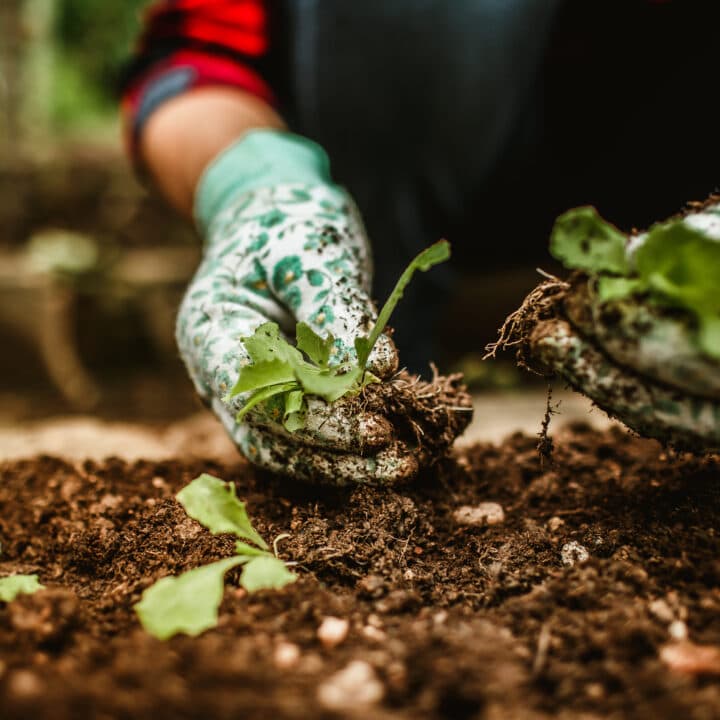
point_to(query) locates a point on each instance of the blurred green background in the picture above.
(59, 63)
(95, 335)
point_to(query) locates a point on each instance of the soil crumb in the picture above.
(445, 619)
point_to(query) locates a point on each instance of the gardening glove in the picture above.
(285, 244)
(650, 354)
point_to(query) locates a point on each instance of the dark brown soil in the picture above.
(467, 622)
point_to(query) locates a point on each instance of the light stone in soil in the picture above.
(355, 686)
(486, 513)
(286, 656)
(573, 552)
(332, 631)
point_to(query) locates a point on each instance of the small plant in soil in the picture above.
(14, 585)
(288, 373)
(636, 327)
(189, 602)
(675, 265)
(11, 587)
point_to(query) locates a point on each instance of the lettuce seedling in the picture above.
(676, 264)
(189, 603)
(284, 374)
(11, 587)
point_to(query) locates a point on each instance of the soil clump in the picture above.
(427, 415)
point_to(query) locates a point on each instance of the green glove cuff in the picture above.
(259, 159)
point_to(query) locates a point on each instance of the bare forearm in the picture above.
(183, 136)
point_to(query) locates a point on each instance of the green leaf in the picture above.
(262, 394)
(248, 551)
(363, 348)
(294, 422)
(11, 587)
(709, 336)
(187, 603)
(293, 402)
(265, 572)
(582, 240)
(214, 504)
(317, 349)
(262, 374)
(619, 288)
(330, 385)
(681, 264)
(294, 411)
(267, 344)
(437, 253)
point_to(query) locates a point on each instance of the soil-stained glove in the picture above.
(637, 328)
(285, 244)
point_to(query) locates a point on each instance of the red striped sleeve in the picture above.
(193, 43)
(237, 25)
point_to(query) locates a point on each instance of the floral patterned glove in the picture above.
(283, 243)
(637, 327)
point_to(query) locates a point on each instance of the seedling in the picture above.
(11, 587)
(676, 265)
(189, 603)
(285, 374)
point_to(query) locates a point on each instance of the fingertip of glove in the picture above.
(396, 466)
(375, 431)
(384, 360)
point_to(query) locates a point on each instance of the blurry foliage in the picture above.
(501, 374)
(92, 41)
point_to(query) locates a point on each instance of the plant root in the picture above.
(427, 415)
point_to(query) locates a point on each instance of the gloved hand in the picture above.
(637, 329)
(283, 243)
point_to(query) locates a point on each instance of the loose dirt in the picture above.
(566, 608)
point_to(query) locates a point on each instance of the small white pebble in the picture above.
(158, 482)
(489, 513)
(374, 634)
(355, 686)
(286, 656)
(661, 610)
(440, 617)
(25, 684)
(555, 523)
(678, 630)
(408, 575)
(573, 552)
(374, 620)
(332, 631)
